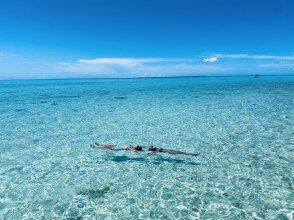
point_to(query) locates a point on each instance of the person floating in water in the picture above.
(117, 148)
(169, 151)
(152, 148)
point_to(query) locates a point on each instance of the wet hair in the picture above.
(139, 148)
(152, 148)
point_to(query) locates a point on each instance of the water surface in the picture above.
(243, 128)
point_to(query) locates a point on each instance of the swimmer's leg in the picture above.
(96, 146)
(105, 145)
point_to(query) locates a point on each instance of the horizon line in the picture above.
(144, 77)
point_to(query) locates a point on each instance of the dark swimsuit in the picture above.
(156, 148)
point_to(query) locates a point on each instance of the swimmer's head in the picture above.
(139, 148)
(152, 148)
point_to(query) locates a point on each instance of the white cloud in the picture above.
(254, 56)
(7, 55)
(3, 54)
(281, 63)
(140, 67)
(133, 67)
(111, 61)
(276, 65)
(129, 61)
(210, 60)
(18, 66)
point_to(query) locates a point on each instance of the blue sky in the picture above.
(126, 38)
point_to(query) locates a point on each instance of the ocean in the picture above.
(243, 128)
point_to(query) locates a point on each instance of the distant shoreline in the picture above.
(142, 77)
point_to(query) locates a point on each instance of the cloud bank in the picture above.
(139, 67)
(19, 66)
(256, 57)
(210, 60)
(215, 64)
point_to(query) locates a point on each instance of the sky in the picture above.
(140, 38)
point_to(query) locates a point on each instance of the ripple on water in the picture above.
(242, 128)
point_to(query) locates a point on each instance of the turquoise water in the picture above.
(243, 128)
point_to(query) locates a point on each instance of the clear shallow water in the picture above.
(243, 128)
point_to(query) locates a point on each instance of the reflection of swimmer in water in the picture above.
(169, 151)
(116, 147)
